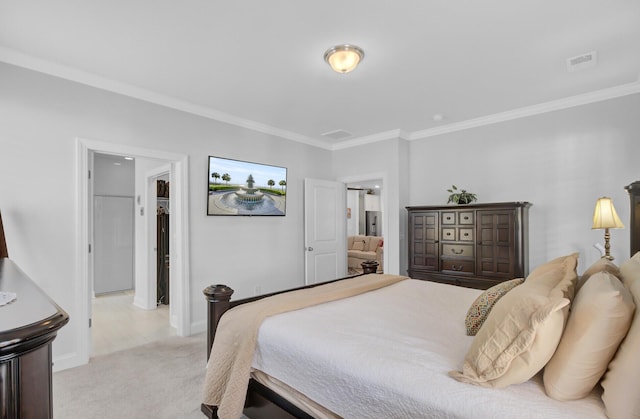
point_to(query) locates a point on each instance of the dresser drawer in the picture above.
(465, 234)
(448, 234)
(462, 250)
(465, 217)
(455, 265)
(449, 218)
(457, 234)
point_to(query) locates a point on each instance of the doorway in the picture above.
(367, 215)
(119, 321)
(179, 269)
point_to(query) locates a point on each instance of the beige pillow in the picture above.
(566, 287)
(558, 278)
(630, 270)
(600, 318)
(479, 310)
(600, 265)
(516, 341)
(552, 273)
(552, 264)
(373, 243)
(358, 245)
(621, 391)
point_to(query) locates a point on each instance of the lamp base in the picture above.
(607, 246)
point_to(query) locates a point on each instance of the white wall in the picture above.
(385, 160)
(561, 162)
(40, 117)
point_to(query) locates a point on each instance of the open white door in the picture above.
(325, 230)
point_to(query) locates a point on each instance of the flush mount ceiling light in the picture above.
(344, 58)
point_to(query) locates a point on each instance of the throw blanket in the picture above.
(229, 366)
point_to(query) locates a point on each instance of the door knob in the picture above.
(310, 249)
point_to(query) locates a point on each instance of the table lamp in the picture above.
(605, 217)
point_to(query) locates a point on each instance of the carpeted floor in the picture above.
(158, 380)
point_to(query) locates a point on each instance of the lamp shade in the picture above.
(344, 58)
(605, 215)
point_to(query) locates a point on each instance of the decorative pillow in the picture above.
(479, 310)
(516, 341)
(600, 318)
(621, 395)
(600, 265)
(630, 270)
(358, 245)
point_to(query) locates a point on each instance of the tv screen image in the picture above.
(238, 187)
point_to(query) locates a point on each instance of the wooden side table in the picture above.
(369, 267)
(28, 326)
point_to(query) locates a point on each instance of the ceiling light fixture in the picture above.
(344, 58)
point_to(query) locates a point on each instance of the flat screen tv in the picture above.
(238, 187)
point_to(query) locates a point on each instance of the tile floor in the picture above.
(117, 324)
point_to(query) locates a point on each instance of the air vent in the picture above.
(580, 62)
(338, 134)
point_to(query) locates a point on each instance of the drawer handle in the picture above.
(448, 234)
(457, 252)
(466, 217)
(448, 218)
(466, 234)
(456, 268)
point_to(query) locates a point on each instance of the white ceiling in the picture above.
(259, 64)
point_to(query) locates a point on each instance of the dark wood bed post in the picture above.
(262, 402)
(218, 301)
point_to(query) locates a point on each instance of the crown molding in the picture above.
(19, 59)
(555, 105)
(374, 138)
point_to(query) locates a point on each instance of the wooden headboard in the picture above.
(634, 216)
(3, 244)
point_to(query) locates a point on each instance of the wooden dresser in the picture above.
(28, 325)
(634, 216)
(476, 245)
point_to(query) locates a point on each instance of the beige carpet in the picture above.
(158, 380)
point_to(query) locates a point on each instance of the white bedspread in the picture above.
(362, 357)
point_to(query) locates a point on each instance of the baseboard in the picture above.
(198, 327)
(142, 303)
(67, 361)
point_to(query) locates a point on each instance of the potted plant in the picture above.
(460, 196)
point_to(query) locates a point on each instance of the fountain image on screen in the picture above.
(238, 187)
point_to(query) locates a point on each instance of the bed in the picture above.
(386, 352)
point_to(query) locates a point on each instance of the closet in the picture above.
(162, 254)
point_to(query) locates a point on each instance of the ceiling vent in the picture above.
(338, 134)
(582, 61)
